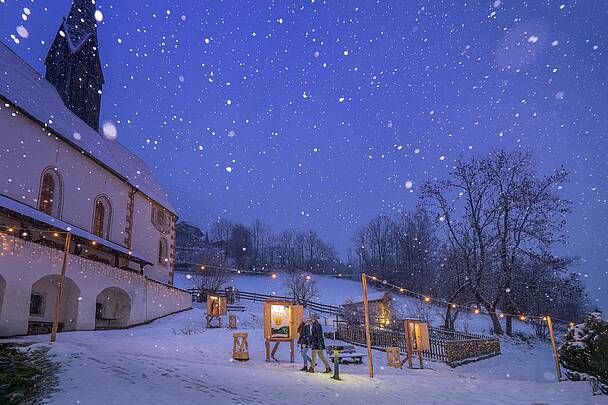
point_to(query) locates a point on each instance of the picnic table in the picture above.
(346, 354)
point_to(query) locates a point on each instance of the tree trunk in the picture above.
(495, 322)
(447, 324)
(491, 312)
(509, 326)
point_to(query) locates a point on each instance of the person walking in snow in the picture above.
(317, 341)
(304, 343)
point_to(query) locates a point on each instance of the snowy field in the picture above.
(335, 291)
(160, 363)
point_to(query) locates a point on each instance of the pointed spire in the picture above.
(83, 9)
(73, 65)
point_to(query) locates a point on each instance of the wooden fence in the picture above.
(257, 297)
(453, 348)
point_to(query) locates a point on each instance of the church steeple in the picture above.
(73, 65)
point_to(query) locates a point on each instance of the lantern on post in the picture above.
(281, 321)
(416, 339)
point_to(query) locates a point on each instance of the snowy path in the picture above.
(152, 365)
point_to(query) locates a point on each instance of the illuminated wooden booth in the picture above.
(416, 339)
(216, 308)
(281, 321)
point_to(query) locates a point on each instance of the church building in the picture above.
(62, 180)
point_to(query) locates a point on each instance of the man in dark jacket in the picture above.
(304, 343)
(317, 341)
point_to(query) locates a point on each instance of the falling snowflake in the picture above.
(22, 31)
(109, 130)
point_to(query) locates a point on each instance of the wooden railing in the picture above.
(256, 297)
(453, 348)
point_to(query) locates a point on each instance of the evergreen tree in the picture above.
(584, 354)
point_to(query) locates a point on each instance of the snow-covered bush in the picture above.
(584, 354)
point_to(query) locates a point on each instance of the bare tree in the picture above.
(498, 212)
(302, 287)
(211, 276)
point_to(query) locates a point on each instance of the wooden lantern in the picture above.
(393, 355)
(416, 339)
(232, 321)
(422, 341)
(281, 321)
(216, 308)
(240, 347)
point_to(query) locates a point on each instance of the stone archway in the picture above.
(112, 308)
(43, 299)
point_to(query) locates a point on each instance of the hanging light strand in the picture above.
(474, 309)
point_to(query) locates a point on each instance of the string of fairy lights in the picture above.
(469, 308)
(12, 244)
(24, 232)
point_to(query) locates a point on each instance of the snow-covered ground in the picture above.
(160, 363)
(157, 364)
(335, 291)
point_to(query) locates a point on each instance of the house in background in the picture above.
(193, 249)
(59, 174)
(379, 306)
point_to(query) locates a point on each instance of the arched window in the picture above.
(102, 217)
(51, 192)
(163, 256)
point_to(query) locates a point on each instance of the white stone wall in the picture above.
(145, 236)
(27, 150)
(24, 263)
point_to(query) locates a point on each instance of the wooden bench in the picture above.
(236, 308)
(348, 355)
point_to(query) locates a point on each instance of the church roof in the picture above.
(26, 89)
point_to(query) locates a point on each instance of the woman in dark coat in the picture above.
(304, 343)
(317, 341)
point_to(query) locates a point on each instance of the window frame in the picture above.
(106, 228)
(42, 304)
(56, 205)
(163, 252)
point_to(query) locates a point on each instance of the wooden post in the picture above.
(64, 265)
(409, 344)
(368, 336)
(558, 371)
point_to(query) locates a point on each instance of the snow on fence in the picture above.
(453, 348)
(256, 297)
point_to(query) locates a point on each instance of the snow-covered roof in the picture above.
(22, 86)
(377, 296)
(40, 216)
